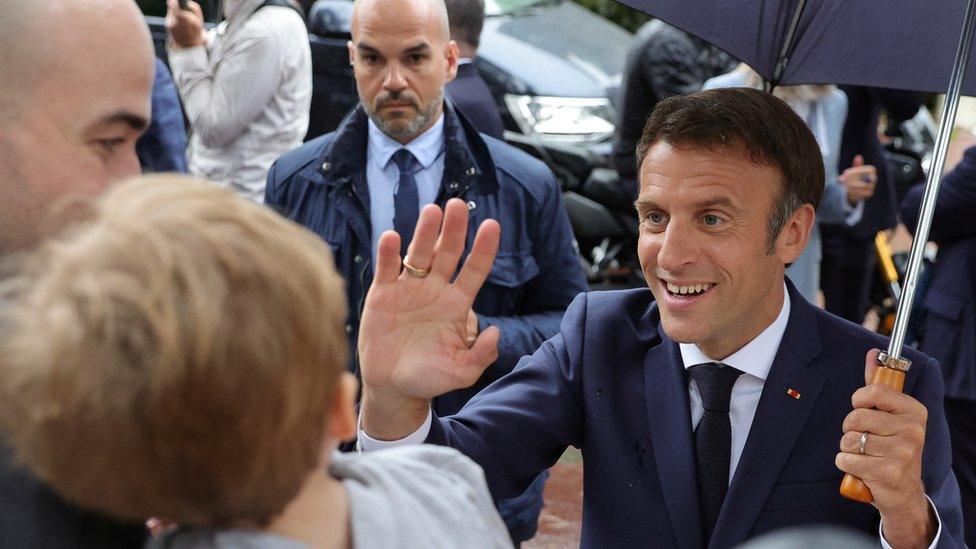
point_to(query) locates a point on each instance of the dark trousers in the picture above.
(961, 416)
(846, 272)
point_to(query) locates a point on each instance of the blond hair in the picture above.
(790, 94)
(174, 354)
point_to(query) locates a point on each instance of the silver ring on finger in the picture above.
(862, 442)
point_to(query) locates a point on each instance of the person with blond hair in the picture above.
(179, 352)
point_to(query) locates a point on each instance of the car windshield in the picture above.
(501, 7)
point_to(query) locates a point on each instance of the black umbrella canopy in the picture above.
(902, 44)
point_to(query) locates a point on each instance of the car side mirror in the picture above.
(330, 18)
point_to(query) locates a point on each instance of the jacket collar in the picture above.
(467, 161)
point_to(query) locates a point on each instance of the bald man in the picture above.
(75, 83)
(405, 147)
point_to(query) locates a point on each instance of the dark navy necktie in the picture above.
(713, 439)
(406, 201)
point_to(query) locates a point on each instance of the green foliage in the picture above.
(620, 14)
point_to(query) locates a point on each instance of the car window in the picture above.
(158, 8)
(501, 7)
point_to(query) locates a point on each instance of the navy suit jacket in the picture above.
(613, 384)
(950, 302)
(472, 98)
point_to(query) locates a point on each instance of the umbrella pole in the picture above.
(893, 366)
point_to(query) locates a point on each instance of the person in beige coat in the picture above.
(246, 87)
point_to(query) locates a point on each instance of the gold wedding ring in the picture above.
(862, 442)
(415, 271)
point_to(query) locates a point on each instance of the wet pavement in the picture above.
(559, 525)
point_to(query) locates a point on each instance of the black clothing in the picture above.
(663, 62)
(472, 98)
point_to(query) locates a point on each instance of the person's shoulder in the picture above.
(419, 463)
(385, 488)
(520, 167)
(835, 101)
(843, 335)
(732, 79)
(298, 159)
(278, 23)
(616, 311)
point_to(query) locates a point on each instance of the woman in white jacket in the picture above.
(246, 87)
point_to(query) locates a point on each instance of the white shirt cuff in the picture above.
(854, 213)
(935, 540)
(364, 443)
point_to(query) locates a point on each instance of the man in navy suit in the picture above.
(714, 411)
(949, 325)
(468, 90)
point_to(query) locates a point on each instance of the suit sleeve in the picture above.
(955, 204)
(940, 482)
(520, 425)
(547, 295)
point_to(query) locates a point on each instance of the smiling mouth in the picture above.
(687, 291)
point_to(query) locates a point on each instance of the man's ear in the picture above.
(795, 234)
(352, 52)
(342, 415)
(451, 54)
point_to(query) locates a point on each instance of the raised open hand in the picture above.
(413, 336)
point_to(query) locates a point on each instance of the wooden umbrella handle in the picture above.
(852, 487)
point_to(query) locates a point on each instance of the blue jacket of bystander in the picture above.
(537, 271)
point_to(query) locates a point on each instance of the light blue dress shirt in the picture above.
(382, 174)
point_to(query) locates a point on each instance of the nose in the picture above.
(678, 248)
(395, 80)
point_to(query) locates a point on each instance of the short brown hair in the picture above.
(757, 122)
(173, 354)
(466, 18)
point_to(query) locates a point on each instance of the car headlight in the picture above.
(566, 119)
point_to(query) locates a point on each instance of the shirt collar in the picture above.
(756, 357)
(464, 61)
(426, 147)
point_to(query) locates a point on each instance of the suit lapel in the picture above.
(777, 424)
(670, 424)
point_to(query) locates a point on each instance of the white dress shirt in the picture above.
(754, 360)
(383, 175)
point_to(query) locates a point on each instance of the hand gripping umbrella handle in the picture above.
(892, 374)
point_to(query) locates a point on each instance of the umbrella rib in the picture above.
(788, 42)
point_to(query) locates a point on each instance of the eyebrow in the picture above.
(717, 201)
(366, 48)
(134, 121)
(421, 47)
(647, 203)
